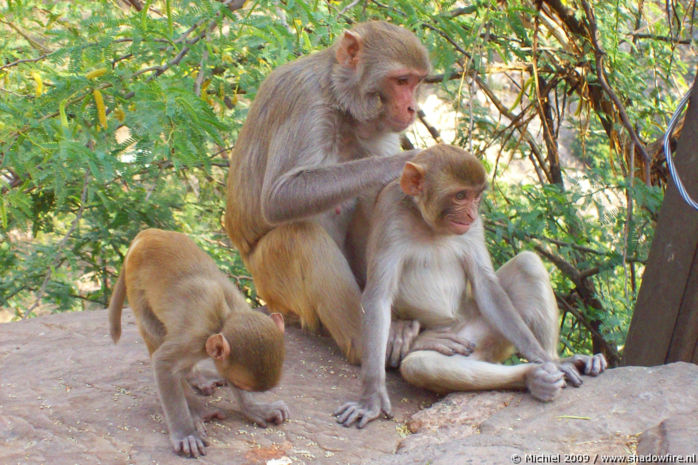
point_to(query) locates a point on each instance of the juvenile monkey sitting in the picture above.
(427, 261)
(187, 310)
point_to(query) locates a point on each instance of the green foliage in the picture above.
(78, 180)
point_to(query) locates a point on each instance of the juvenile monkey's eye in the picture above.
(402, 81)
(461, 195)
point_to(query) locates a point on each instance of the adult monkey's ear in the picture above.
(349, 49)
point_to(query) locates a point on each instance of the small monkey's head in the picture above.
(446, 183)
(249, 351)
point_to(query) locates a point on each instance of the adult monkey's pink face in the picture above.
(389, 64)
(400, 95)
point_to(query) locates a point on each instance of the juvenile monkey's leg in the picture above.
(298, 268)
(527, 282)
(151, 328)
(200, 412)
(442, 373)
(184, 434)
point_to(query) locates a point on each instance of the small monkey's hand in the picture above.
(445, 341)
(204, 381)
(189, 445)
(402, 335)
(367, 409)
(590, 365)
(545, 381)
(571, 373)
(262, 414)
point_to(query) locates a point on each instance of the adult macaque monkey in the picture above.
(426, 245)
(321, 130)
(187, 311)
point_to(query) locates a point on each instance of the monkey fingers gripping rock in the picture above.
(367, 409)
(192, 445)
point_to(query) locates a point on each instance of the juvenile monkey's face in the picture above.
(447, 184)
(460, 210)
(240, 377)
(256, 373)
(452, 212)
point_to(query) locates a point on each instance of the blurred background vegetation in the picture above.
(118, 115)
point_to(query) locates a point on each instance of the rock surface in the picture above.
(69, 396)
(609, 415)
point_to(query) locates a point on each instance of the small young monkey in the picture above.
(427, 262)
(188, 310)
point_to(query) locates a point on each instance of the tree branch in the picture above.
(673, 40)
(432, 130)
(545, 114)
(159, 70)
(26, 60)
(608, 349)
(601, 74)
(134, 3)
(557, 242)
(513, 118)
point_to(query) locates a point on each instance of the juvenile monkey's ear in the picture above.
(217, 346)
(412, 179)
(278, 320)
(349, 48)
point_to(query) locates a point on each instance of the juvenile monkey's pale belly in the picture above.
(432, 289)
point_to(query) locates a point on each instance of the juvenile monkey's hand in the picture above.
(545, 381)
(573, 367)
(402, 335)
(445, 341)
(262, 414)
(189, 445)
(591, 365)
(367, 409)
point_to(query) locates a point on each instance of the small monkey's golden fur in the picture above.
(187, 310)
(176, 290)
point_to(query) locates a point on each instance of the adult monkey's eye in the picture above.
(461, 195)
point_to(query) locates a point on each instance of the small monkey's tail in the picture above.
(115, 305)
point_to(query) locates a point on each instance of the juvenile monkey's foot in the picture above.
(364, 411)
(545, 381)
(402, 335)
(189, 445)
(444, 341)
(263, 414)
(590, 365)
(204, 382)
(202, 413)
(205, 414)
(212, 414)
